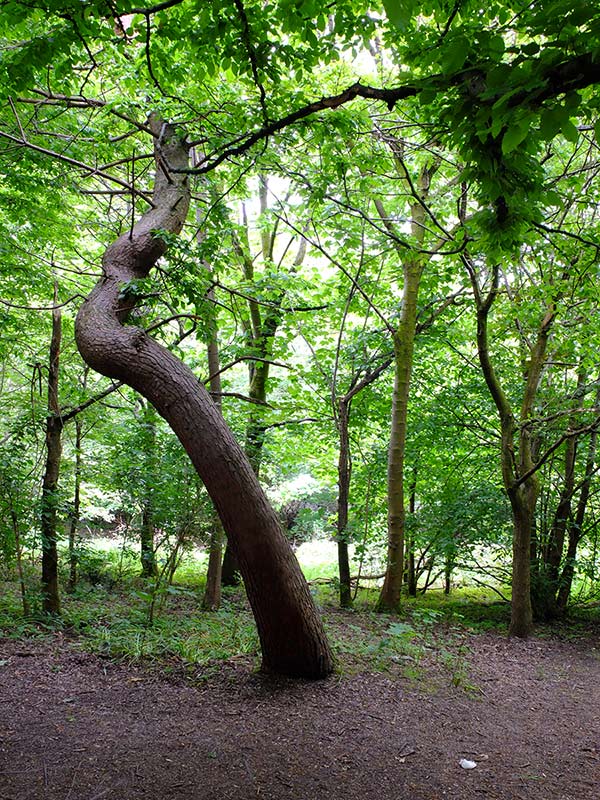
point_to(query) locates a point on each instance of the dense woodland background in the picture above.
(387, 280)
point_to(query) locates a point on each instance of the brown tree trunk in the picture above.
(291, 634)
(19, 559)
(230, 570)
(75, 511)
(212, 592)
(545, 579)
(523, 513)
(575, 528)
(54, 426)
(411, 575)
(344, 473)
(147, 554)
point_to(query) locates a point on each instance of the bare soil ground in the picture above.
(76, 727)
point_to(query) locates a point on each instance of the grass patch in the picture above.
(110, 614)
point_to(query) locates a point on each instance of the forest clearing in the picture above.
(299, 399)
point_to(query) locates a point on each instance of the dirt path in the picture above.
(74, 727)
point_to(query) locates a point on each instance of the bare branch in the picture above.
(153, 9)
(553, 448)
(92, 171)
(43, 308)
(243, 397)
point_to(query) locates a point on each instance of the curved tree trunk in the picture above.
(291, 634)
(519, 469)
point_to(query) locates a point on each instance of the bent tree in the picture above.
(291, 635)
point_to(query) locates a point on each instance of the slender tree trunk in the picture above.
(411, 575)
(575, 527)
(404, 339)
(147, 553)
(389, 599)
(517, 460)
(54, 426)
(291, 634)
(448, 568)
(19, 559)
(75, 511)
(211, 600)
(545, 581)
(546, 567)
(212, 592)
(344, 474)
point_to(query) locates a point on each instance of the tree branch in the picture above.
(576, 73)
(553, 448)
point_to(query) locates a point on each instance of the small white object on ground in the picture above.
(466, 764)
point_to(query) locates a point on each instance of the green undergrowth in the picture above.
(132, 623)
(116, 614)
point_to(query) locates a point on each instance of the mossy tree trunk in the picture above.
(413, 264)
(49, 503)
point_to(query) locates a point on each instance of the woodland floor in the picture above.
(74, 726)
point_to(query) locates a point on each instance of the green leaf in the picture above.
(399, 12)
(513, 137)
(455, 54)
(497, 44)
(550, 123)
(569, 131)
(597, 131)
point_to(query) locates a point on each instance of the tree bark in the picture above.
(389, 599)
(413, 265)
(545, 579)
(291, 634)
(523, 513)
(54, 426)
(147, 554)
(344, 474)
(517, 460)
(212, 592)
(411, 575)
(575, 528)
(75, 511)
